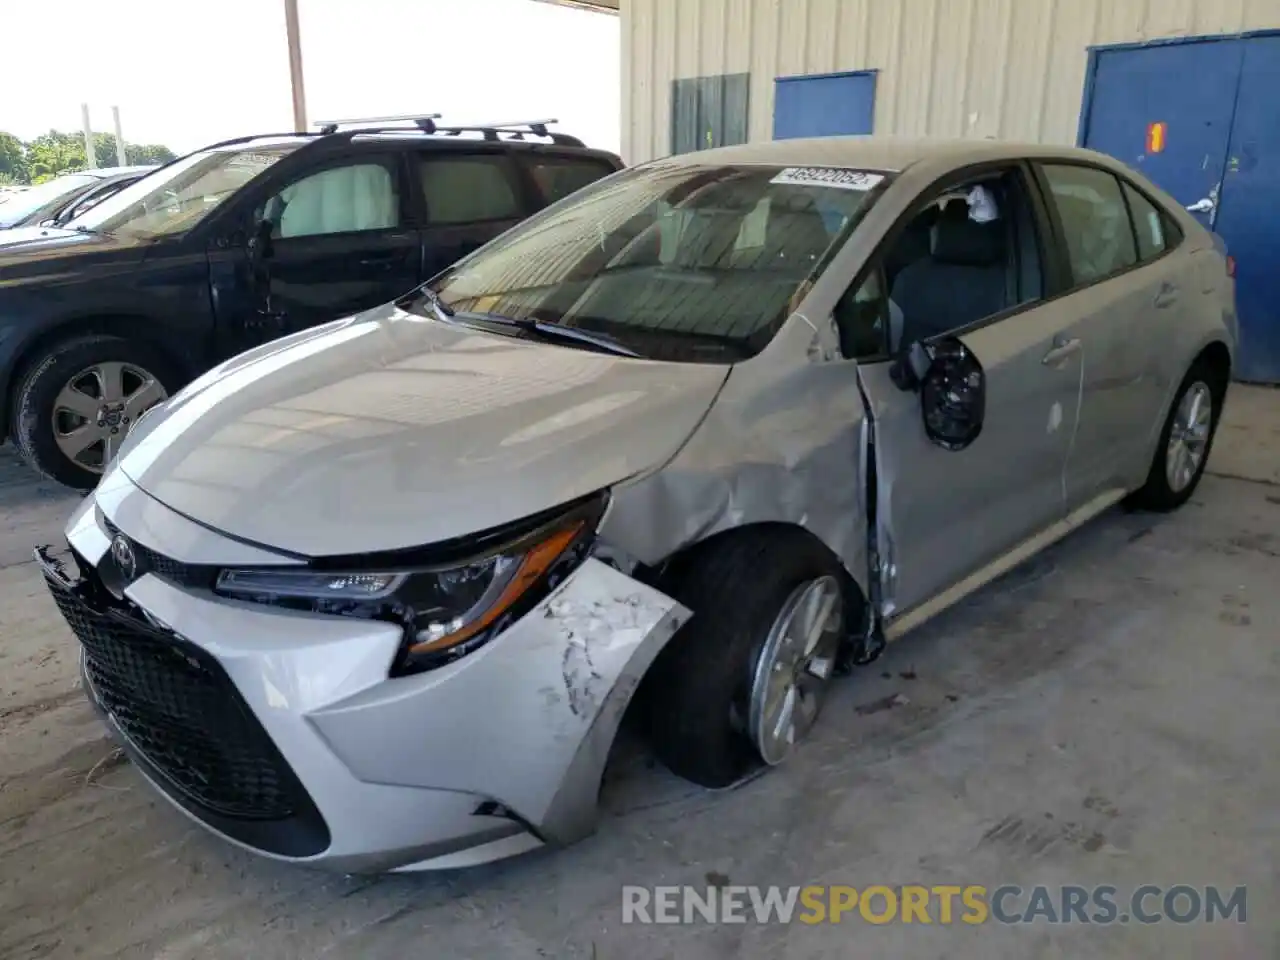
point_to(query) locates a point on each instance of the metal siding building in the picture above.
(1002, 68)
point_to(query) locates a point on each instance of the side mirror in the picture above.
(259, 241)
(952, 387)
(953, 395)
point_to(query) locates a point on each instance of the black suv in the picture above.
(237, 244)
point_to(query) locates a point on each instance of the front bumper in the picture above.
(284, 733)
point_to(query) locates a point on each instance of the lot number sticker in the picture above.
(828, 177)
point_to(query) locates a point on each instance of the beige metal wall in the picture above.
(1005, 68)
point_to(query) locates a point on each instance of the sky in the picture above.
(185, 73)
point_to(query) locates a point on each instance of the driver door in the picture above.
(945, 514)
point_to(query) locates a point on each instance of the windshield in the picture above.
(675, 260)
(19, 206)
(178, 196)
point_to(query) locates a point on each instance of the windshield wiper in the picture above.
(546, 331)
(436, 304)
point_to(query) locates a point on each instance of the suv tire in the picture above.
(37, 422)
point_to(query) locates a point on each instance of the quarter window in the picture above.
(474, 189)
(1148, 225)
(346, 199)
(557, 177)
(1095, 221)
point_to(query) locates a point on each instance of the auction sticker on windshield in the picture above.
(829, 177)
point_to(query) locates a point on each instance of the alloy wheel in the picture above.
(795, 663)
(1189, 436)
(96, 409)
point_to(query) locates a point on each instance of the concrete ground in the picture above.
(1109, 714)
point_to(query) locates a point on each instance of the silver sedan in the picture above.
(693, 442)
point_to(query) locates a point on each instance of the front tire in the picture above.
(74, 407)
(1186, 440)
(744, 680)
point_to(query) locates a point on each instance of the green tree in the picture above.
(13, 158)
(56, 153)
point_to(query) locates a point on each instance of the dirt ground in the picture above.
(1108, 714)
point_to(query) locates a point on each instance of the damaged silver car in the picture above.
(698, 439)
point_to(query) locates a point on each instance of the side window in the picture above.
(1149, 225)
(861, 316)
(557, 177)
(350, 199)
(468, 189)
(1095, 220)
(969, 253)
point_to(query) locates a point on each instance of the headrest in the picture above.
(958, 240)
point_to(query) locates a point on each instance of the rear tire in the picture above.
(1168, 487)
(42, 422)
(700, 703)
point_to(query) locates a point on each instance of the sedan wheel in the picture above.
(96, 408)
(1189, 436)
(795, 663)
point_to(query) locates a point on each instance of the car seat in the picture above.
(963, 279)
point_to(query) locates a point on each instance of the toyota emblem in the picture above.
(122, 554)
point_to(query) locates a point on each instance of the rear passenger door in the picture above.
(1123, 290)
(468, 199)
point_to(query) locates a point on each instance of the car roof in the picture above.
(890, 154)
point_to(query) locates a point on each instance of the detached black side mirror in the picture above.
(953, 395)
(952, 387)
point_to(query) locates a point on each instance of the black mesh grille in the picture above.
(181, 712)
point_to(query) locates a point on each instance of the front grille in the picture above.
(175, 571)
(181, 712)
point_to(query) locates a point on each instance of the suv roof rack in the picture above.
(424, 122)
(515, 130)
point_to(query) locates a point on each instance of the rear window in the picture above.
(468, 189)
(557, 177)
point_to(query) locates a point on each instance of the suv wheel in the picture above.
(74, 408)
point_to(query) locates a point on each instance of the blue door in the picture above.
(1200, 119)
(832, 105)
(1249, 215)
(1186, 89)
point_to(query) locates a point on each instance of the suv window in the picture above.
(346, 199)
(970, 253)
(468, 189)
(1095, 220)
(1149, 225)
(557, 177)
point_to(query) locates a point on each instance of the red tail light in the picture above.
(1231, 266)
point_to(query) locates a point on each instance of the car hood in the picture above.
(388, 431)
(28, 253)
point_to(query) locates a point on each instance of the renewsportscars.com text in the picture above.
(973, 904)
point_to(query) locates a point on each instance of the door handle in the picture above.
(1063, 350)
(1167, 296)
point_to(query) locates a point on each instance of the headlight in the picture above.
(446, 609)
